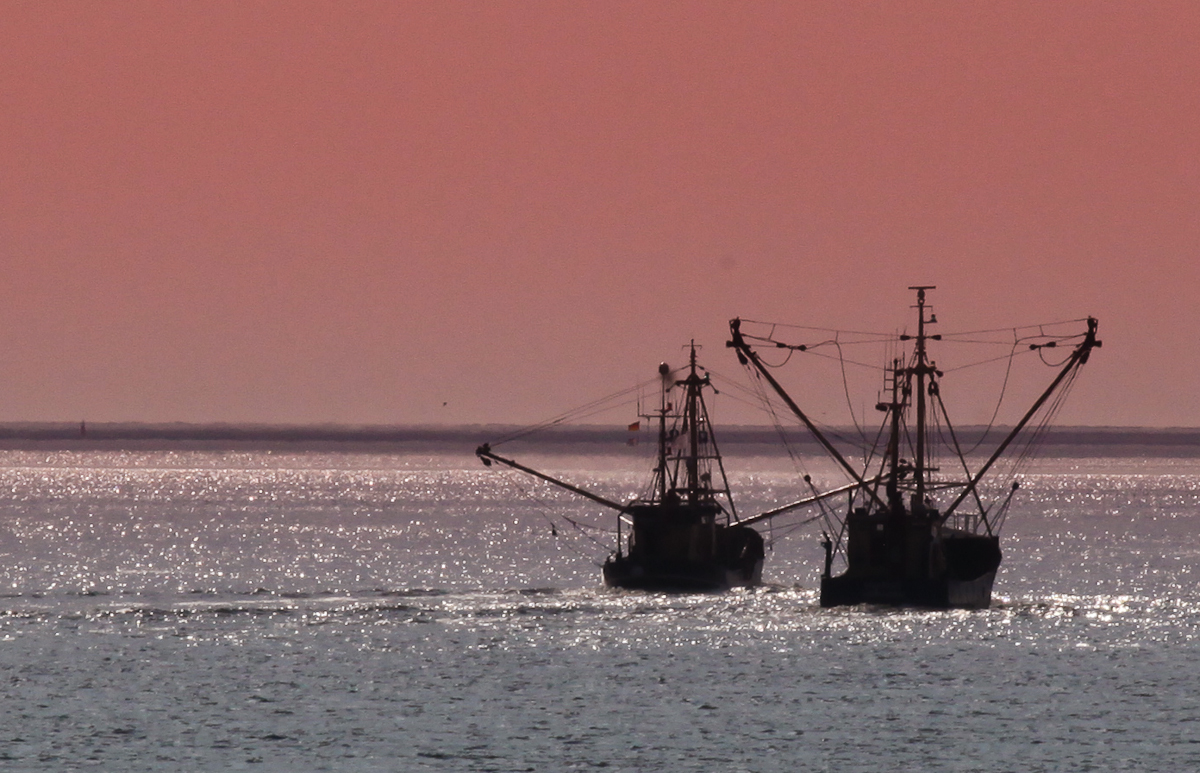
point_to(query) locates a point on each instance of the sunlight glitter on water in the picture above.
(418, 613)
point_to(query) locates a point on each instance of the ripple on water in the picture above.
(365, 612)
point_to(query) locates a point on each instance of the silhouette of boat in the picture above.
(899, 547)
(684, 535)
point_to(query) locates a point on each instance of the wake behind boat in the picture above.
(683, 535)
(898, 543)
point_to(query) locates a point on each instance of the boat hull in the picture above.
(685, 576)
(902, 559)
(680, 548)
(943, 593)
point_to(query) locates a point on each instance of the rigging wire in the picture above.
(999, 402)
(585, 411)
(759, 400)
(993, 504)
(1002, 510)
(544, 507)
(1016, 352)
(774, 325)
(811, 350)
(1040, 326)
(756, 379)
(983, 511)
(1024, 451)
(849, 402)
(782, 532)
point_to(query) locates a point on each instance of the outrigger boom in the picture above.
(746, 354)
(767, 514)
(485, 454)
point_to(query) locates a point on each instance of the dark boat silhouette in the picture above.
(900, 546)
(684, 535)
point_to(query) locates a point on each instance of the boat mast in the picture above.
(895, 407)
(921, 368)
(664, 371)
(689, 416)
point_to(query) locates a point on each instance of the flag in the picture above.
(635, 426)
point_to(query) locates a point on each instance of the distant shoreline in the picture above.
(1086, 441)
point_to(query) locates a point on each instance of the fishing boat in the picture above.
(915, 533)
(684, 534)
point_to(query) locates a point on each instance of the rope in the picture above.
(1040, 326)
(582, 528)
(773, 325)
(999, 402)
(849, 402)
(590, 409)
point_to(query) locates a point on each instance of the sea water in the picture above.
(304, 611)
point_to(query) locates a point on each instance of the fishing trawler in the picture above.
(907, 537)
(684, 535)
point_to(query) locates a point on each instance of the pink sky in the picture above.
(330, 212)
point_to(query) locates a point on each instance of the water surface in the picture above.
(167, 610)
